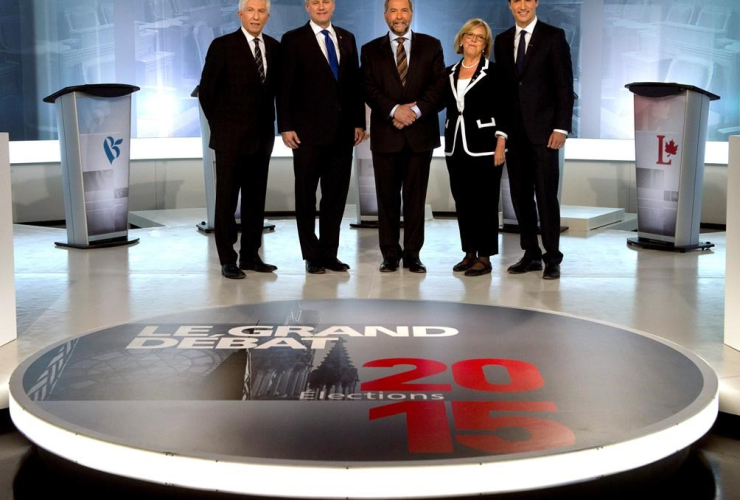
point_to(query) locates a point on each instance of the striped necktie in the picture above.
(401, 62)
(258, 60)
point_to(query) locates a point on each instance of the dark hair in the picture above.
(411, 5)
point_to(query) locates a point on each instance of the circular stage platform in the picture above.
(364, 399)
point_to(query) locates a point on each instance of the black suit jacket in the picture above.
(239, 108)
(425, 85)
(473, 126)
(320, 109)
(543, 93)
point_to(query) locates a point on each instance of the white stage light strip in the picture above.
(25, 152)
(333, 481)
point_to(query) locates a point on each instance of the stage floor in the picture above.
(63, 293)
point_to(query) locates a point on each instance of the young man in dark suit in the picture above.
(404, 77)
(534, 59)
(321, 116)
(237, 94)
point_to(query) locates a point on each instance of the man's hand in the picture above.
(404, 114)
(398, 124)
(290, 139)
(499, 157)
(359, 136)
(557, 140)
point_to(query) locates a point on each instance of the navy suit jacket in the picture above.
(425, 85)
(240, 109)
(311, 102)
(543, 93)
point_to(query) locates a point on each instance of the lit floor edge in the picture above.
(362, 481)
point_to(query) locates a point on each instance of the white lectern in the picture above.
(670, 138)
(94, 123)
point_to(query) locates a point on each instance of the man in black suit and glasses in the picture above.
(237, 94)
(534, 61)
(321, 116)
(404, 77)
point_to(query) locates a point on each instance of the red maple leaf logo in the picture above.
(671, 148)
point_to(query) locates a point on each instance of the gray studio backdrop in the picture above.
(160, 46)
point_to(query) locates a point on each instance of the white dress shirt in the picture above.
(529, 29)
(322, 40)
(263, 49)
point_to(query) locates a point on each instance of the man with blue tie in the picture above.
(321, 116)
(537, 73)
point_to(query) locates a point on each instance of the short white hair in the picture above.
(243, 3)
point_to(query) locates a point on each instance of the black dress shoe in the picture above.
(479, 269)
(336, 265)
(464, 264)
(552, 272)
(257, 265)
(525, 265)
(414, 265)
(314, 267)
(232, 272)
(389, 265)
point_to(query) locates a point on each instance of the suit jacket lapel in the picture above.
(270, 56)
(313, 41)
(412, 67)
(387, 54)
(480, 73)
(245, 49)
(534, 42)
(454, 76)
(509, 52)
(344, 52)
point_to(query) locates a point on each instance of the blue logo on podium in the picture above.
(112, 151)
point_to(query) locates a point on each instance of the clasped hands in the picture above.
(404, 115)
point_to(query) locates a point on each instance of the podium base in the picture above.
(203, 227)
(514, 228)
(666, 246)
(113, 242)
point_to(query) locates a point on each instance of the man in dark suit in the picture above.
(404, 76)
(534, 60)
(237, 94)
(321, 117)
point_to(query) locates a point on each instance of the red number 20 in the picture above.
(468, 373)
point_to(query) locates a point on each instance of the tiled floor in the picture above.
(677, 296)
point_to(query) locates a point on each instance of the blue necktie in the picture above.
(520, 53)
(332, 53)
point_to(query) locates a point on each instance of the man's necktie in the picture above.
(258, 60)
(520, 51)
(331, 52)
(401, 62)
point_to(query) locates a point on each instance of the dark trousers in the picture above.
(248, 172)
(403, 175)
(475, 183)
(331, 167)
(534, 171)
